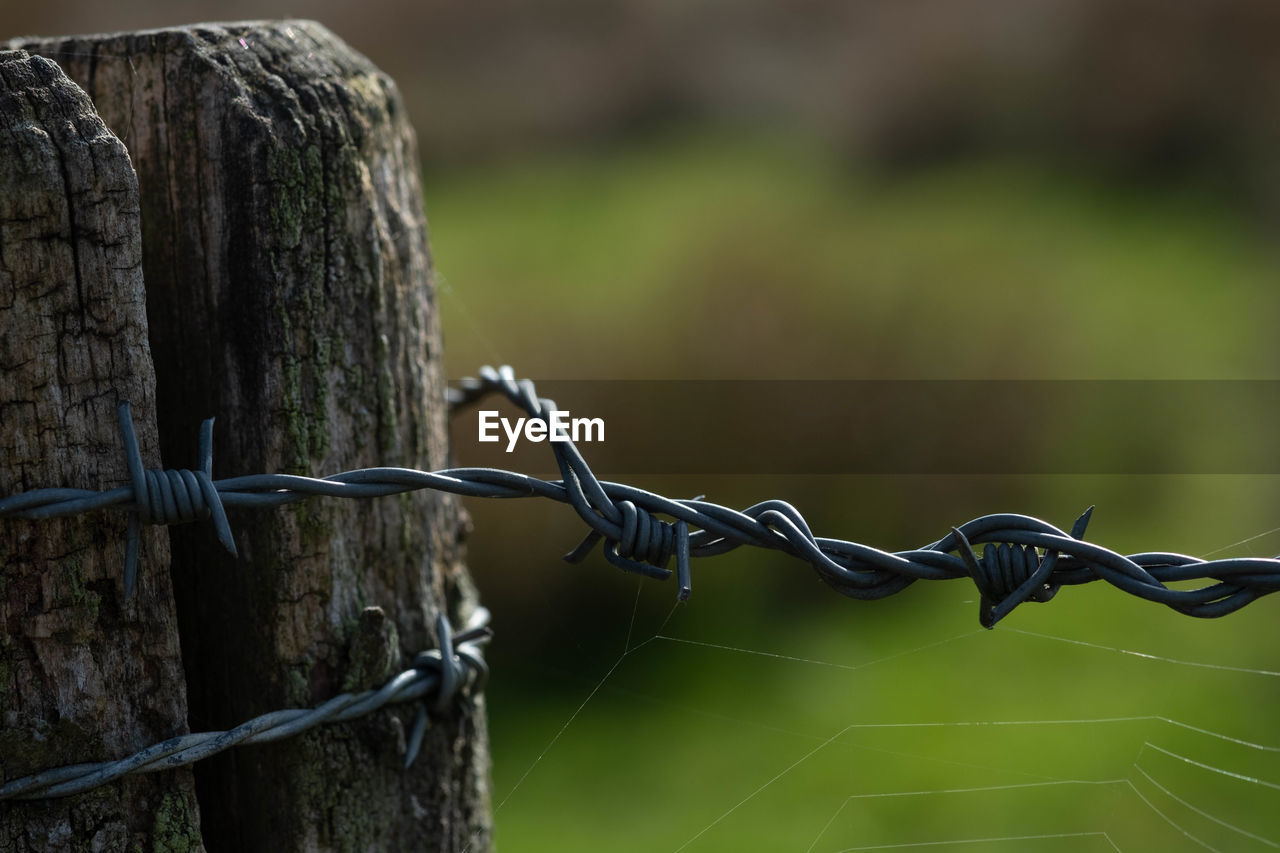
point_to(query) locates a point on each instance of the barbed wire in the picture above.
(1024, 558)
(437, 677)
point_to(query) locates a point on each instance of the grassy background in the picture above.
(710, 254)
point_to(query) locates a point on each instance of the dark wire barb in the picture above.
(170, 497)
(1009, 574)
(1026, 559)
(438, 676)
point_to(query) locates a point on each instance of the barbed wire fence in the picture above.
(1023, 559)
(437, 678)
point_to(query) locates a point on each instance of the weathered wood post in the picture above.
(289, 293)
(85, 675)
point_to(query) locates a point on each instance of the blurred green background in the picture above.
(970, 189)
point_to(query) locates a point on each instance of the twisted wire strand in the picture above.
(437, 677)
(1029, 559)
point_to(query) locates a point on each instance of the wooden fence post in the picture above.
(85, 675)
(289, 292)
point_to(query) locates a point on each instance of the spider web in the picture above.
(1093, 723)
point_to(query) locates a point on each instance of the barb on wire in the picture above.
(1025, 558)
(455, 669)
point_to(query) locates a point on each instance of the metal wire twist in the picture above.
(1029, 559)
(438, 676)
(1009, 574)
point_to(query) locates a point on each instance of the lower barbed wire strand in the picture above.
(457, 668)
(1029, 559)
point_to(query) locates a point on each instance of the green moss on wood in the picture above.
(174, 828)
(296, 209)
(319, 422)
(49, 745)
(81, 595)
(297, 175)
(351, 823)
(373, 650)
(297, 683)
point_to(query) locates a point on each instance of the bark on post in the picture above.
(289, 292)
(84, 674)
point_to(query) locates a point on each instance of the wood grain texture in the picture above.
(290, 293)
(84, 674)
